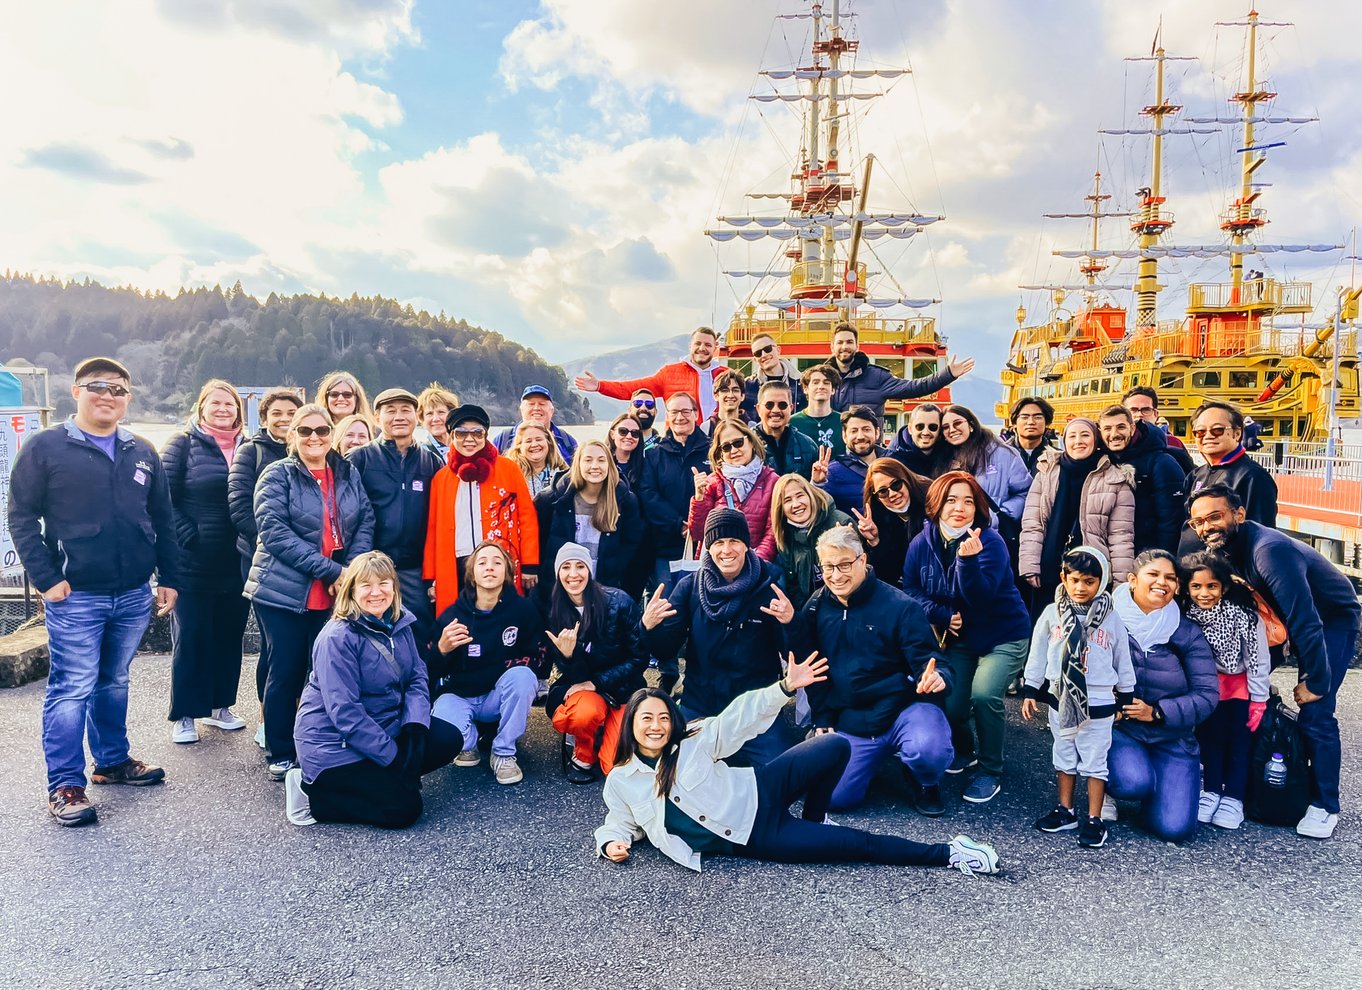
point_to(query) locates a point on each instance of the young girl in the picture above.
(1239, 641)
(1080, 665)
(671, 785)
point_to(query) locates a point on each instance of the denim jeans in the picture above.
(977, 689)
(507, 704)
(1165, 777)
(91, 639)
(1319, 722)
(920, 737)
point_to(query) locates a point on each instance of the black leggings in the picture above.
(1226, 745)
(366, 793)
(811, 770)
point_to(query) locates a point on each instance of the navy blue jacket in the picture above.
(1159, 503)
(867, 384)
(252, 457)
(1180, 677)
(794, 454)
(612, 658)
(980, 587)
(567, 443)
(617, 552)
(928, 463)
(667, 489)
(288, 513)
(197, 474)
(510, 634)
(846, 481)
(877, 646)
(398, 486)
(754, 383)
(102, 525)
(1249, 479)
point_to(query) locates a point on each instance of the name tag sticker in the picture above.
(475, 649)
(418, 486)
(140, 476)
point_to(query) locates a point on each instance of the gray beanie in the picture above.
(573, 551)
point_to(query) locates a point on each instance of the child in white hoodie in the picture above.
(1080, 666)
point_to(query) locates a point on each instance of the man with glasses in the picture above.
(818, 420)
(887, 679)
(769, 368)
(536, 406)
(918, 446)
(1029, 432)
(90, 515)
(1143, 403)
(866, 384)
(843, 476)
(787, 450)
(695, 376)
(643, 407)
(1218, 429)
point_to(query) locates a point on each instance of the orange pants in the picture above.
(582, 716)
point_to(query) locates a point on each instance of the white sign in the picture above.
(16, 426)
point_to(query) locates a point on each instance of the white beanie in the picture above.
(573, 551)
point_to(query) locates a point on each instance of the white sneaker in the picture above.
(260, 735)
(226, 720)
(507, 770)
(1205, 809)
(1109, 812)
(297, 808)
(1229, 814)
(184, 731)
(1317, 823)
(971, 857)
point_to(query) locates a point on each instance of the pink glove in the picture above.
(1256, 709)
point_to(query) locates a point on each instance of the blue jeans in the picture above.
(920, 737)
(1319, 723)
(507, 704)
(91, 639)
(1165, 777)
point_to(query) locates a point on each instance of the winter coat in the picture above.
(980, 587)
(896, 532)
(103, 525)
(928, 463)
(616, 555)
(613, 659)
(398, 486)
(508, 516)
(567, 443)
(1250, 481)
(253, 455)
(789, 376)
(720, 493)
(1031, 458)
(1159, 509)
(510, 634)
(668, 485)
(798, 562)
(846, 481)
(1004, 479)
(867, 384)
(1180, 677)
(1106, 514)
(196, 472)
(793, 454)
(877, 645)
(288, 513)
(1107, 666)
(358, 697)
(722, 660)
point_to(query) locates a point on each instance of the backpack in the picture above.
(1278, 732)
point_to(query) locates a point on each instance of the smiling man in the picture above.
(695, 376)
(770, 367)
(90, 515)
(536, 406)
(787, 450)
(866, 384)
(1159, 510)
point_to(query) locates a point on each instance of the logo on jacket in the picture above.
(508, 637)
(144, 465)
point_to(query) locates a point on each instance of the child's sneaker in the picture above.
(1109, 810)
(972, 857)
(1205, 809)
(1229, 814)
(1092, 834)
(1062, 819)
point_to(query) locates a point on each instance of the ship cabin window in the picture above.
(1134, 380)
(892, 365)
(1169, 379)
(1179, 427)
(924, 367)
(1106, 386)
(1243, 379)
(1269, 427)
(1205, 379)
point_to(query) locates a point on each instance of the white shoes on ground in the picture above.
(1229, 813)
(184, 731)
(1317, 823)
(260, 736)
(297, 808)
(1205, 809)
(507, 770)
(972, 857)
(226, 720)
(1109, 812)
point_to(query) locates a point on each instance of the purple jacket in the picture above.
(356, 699)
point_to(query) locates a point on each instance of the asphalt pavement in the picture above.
(200, 882)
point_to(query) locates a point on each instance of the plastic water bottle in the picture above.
(1274, 773)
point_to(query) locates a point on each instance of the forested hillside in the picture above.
(173, 343)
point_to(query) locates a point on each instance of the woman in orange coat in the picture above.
(479, 495)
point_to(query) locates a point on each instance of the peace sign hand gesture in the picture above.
(565, 642)
(811, 671)
(971, 545)
(658, 609)
(866, 526)
(820, 466)
(781, 608)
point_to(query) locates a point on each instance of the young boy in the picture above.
(1080, 666)
(818, 420)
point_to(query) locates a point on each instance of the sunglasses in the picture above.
(1217, 430)
(322, 431)
(897, 485)
(340, 393)
(624, 431)
(644, 403)
(775, 405)
(731, 445)
(926, 427)
(106, 388)
(476, 433)
(763, 351)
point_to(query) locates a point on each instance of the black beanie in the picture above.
(465, 413)
(727, 524)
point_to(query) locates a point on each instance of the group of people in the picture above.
(417, 596)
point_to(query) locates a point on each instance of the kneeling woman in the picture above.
(363, 732)
(671, 784)
(600, 660)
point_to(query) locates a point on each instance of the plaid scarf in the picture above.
(1076, 620)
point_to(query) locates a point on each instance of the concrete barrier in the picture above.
(24, 656)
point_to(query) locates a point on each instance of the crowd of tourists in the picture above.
(818, 598)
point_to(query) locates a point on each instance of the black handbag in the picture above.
(1279, 732)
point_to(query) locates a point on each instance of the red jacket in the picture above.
(757, 509)
(665, 382)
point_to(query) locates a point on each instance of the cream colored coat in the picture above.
(1106, 514)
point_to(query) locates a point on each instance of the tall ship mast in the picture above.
(1248, 340)
(828, 227)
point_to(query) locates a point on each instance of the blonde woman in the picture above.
(351, 432)
(434, 405)
(801, 512)
(341, 395)
(534, 450)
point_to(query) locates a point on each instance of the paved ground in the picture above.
(201, 883)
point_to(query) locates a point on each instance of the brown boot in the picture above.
(70, 807)
(130, 771)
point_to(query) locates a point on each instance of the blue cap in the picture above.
(536, 390)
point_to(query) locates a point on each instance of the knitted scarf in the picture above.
(477, 468)
(743, 476)
(726, 601)
(1230, 631)
(1075, 620)
(1064, 528)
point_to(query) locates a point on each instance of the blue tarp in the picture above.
(11, 390)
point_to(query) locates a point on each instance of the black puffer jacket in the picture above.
(667, 489)
(1159, 509)
(252, 457)
(558, 525)
(197, 473)
(1250, 480)
(288, 513)
(612, 658)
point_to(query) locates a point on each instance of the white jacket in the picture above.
(721, 798)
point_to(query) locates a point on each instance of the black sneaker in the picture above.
(929, 802)
(962, 762)
(1062, 819)
(1092, 834)
(578, 774)
(133, 772)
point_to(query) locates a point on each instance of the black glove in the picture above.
(411, 748)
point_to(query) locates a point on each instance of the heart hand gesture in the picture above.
(970, 545)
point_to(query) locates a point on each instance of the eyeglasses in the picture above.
(340, 393)
(844, 567)
(106, 388)
(730, 445)
(730, 391)
(322, 431)
(1022, 416)
(624, 431)
(1214, 431)
(472, 433)
(897, 485)
(761, 352)
(644, 403)
(686, 413)
(768, 406)
(926, 427)
(1141, 410)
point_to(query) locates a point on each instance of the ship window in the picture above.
(892, 365)
(1134, 380)
(1169, 379)
(1179, 427)
(1243, 379)
(1205, 379)
(1269, 427)
(1106, 385)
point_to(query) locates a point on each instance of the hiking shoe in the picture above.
(507, 770)
(132, 772)
(1092, 834)
(1317, 823)
(468, 758)
(983, 788)
(279, 769)
(1229, 814)
(962, 762)
(226, 720)
(1109, 812)
(260, 736)
(929, 802)
(184, 731)
(70, 807)
(971, 857)
(578, 774)
(1062, 819)
(297, 807)
(1205, 809)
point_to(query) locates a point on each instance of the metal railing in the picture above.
(818, 329)
(1256, 291)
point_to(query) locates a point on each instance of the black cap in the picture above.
(727, 524)
(466, 413)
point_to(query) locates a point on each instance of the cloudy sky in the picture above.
(546, 169)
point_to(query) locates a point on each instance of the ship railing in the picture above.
(815, 329)
(1254, 291)
(1301, 469)
(822, 273)
(1271, 340)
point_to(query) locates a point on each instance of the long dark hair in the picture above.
(972, 455)
(1206, 560)
(563, 614)
(666, 763)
